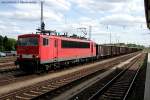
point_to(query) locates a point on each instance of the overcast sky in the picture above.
(124, 19)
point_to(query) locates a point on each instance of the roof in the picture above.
(55, 36)
(147, 12)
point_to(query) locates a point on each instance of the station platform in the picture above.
(147, 82)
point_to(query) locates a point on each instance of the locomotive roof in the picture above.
(26, 35)
(56, 36)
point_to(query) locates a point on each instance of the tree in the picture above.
(134, 45)
(7, 44)
(1, 43)
(5, 41)
(11, 44)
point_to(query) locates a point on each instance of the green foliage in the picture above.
(7, 44)
(137, 46)
(1, 43)
(129, 45)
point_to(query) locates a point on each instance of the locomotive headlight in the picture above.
(35, 56)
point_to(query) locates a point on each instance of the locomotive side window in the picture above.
(45, 41)
(74, 44)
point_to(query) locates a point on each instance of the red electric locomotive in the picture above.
(39, 52)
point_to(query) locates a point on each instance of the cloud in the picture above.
(53, 10)
(122, 20)
(58, 4)
(24, 18)
(100, 5)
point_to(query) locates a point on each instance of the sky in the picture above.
(122, 20)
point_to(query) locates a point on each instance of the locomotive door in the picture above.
(46, 48)
(92, 49)
(55, 49)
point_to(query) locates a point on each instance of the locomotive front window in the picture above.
(29, 41)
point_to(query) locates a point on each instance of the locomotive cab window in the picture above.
(28, 41)
(45, 41)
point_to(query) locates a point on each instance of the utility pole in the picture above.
(90, 32)
(41, 12)
(42, 20)
(110, 37)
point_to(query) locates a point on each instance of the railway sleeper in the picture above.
(121, 85)
(115, 92)
(22, 98)
(110, 98)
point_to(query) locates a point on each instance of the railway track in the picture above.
(10, 75)
(41, 88)
(137, 92)
(77, 88)
(119, 87)
(7, 59)
(11, 69)
(7, 64)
